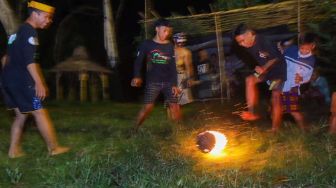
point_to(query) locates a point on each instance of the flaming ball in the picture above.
(212, 142)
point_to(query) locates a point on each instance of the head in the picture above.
(40, 13)
(180, 39)
(244, 35)
(163, 29)
(203, 55)
(307, 44)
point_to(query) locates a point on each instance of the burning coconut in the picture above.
(212, 142)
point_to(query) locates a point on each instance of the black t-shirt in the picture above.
(160, 62)
(22, 52)
(263, 51)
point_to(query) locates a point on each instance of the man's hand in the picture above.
(176, 91)
(40, 91)
(4, 60)
(259, 69)
(136, 82)
(298, 78)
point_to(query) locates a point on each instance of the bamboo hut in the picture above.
(80, 65)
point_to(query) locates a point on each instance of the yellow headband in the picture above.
(41, 7)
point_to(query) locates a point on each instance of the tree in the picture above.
(8, 18)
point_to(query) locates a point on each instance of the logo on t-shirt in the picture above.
(158, 57)
(11, 39)
(263, 54)
(33, 41)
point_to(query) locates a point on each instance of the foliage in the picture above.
(164, 154)
(327, 31)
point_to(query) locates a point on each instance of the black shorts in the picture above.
(153, 90)
(23, 98)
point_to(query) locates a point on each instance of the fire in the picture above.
(212, 142)
(220, 144)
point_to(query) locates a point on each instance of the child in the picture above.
(321, 87)
(300, 64)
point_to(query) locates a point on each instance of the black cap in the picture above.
(162, 22)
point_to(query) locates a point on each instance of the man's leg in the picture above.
(276, 110)
(175, 111)
(47, 131)
(16, 133)
(332, 128)
(143, 114)
(252, 98)
(299, 119)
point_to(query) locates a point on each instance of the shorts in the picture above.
(290, 101)
(23, 98)
(153, 90)
(275, 85)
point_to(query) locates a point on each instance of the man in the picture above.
(161, 75)
(271, 68)
(184, 67)
(23, 82)
(185, 72)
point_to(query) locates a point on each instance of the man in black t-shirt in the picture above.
(161, 76)
(271, 68)
(24, 87)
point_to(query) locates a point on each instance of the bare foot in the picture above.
(59, 150)
(16, 154)
(248, 116)
(273, 131)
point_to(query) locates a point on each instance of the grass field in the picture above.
(164, 154)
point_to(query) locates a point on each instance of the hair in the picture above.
(242, 28)
(308, 38)
(162, 22)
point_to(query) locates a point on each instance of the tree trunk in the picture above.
(8, 18)
(109, 34)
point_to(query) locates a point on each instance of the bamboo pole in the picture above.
(105, 85)
(83, 78)
(221, 59)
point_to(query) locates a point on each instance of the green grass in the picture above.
(164, 154)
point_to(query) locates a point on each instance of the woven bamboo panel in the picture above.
(258, 17)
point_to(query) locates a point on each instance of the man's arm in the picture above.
(36, 73)
(4, 60)
(137, 78)
(265, 68)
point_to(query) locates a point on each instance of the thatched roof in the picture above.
(74, 64)
(258, 17)
(79, 62)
